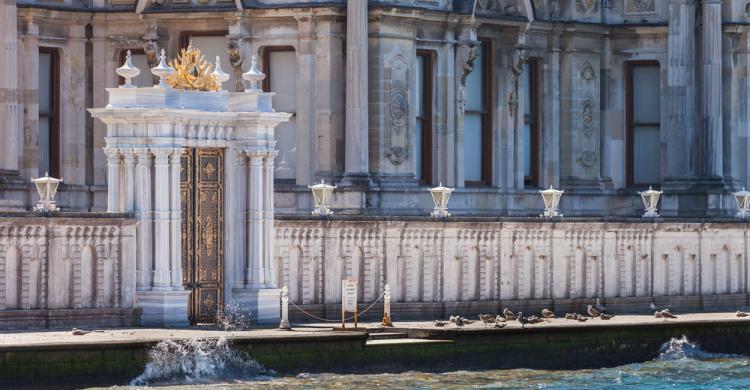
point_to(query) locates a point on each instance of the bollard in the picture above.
(387, 307)
(284, 325)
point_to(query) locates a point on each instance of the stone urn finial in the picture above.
(254, 75)
(128, 71)
(219, 74)
(162, 71)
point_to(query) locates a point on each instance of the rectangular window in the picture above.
(212, 44)
(139, 60)
(530, 85)
(477, 120)
(49, 131)
(424, 99)
(280, 67)
(643, 118)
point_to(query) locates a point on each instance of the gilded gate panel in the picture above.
(203, 225)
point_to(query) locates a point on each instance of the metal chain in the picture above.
(345, 319)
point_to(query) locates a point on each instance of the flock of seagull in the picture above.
(597, 310)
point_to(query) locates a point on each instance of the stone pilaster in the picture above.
(162, 280)
(465, 56)
(712, 88)
(255, 271)
(128, 191)
(143, 212)
(681, 93)
(175, 215)
(114, 180)
(236, 188)
(9, 115)
(357, 125)
(268, 232)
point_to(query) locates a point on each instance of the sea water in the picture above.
(681, 364)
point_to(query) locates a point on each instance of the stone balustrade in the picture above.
(58, 271)
(518, 261)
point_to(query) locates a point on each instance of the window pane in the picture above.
(646, 155)
(419, 85)
(212, 46)
(474, 83)
(646, 94)
(45, 83)
(527, 149)
(473, 147)
(145, 78)
(44, 129)
(418, 149)
(283, 81)
(526, 88)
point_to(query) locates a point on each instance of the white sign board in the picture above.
(349, 295)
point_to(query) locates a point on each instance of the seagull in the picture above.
(454, 318)
(459, 321)
(440, 323)
(499, 325)
(547, 313)
(657, 314)
(522, 320)
(741, 314)
(598, 306)
(509, 315)
(592, 312)
(499, 318)
(581, 318)
(666, 314)
(535, 320)
(571, 316)
(487, 318)
(606, 316)
(652, 306)
(467, 322)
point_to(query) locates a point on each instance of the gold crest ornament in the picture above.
(192, 72)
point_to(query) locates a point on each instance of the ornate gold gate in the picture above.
(202, 198)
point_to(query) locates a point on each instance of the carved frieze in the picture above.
(586, 119)
(640, 7)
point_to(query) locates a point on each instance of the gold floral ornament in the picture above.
(192, 72)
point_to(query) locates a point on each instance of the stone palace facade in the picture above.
(206, 191)
(600, 98)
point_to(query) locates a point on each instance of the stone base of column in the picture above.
(579, 183)
(359, 180)
(265, 304)
(696, 197)
(164, 308)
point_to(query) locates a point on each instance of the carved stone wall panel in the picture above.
(723, 268)
(632, 255)
(586, 118)
(530, 264)
(585, 272)
(640, 7)
(674, 254)
(398, 114)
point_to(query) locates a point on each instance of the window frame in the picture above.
(184, 37)
(54, 115)
(486, 115)
(428, 97)
(532, 180)
(629, 123)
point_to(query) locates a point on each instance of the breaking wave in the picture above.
(198, 361)
(682, 348)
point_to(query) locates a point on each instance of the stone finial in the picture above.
(128, 71)
(219, 74)
(254, 75)
(162, 71)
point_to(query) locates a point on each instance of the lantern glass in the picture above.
(743, 203)
(650, 202)
(440, 197)
(47, 188)
(322, 194)
(551, 198)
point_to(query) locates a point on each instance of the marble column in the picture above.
(8, 88)
(255, 221)
(128, 157)
(236, 188)
(175, 218)
(712, 88)
(143, 213)
(681, 93)
(357, 134)
(162, 239)
(268, 232)
(114, 189)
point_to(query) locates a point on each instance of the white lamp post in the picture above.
(551, 198)
(128, 71)
(322, 193)
(440, 196)
(650, 201)
(743, 203)
(47, 188)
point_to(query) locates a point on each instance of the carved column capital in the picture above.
(175, 155)
(161, 156)
(113, 155)
(128, 156)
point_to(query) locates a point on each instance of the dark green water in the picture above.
(680, 365)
